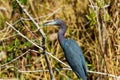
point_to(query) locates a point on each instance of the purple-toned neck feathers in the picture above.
(61, 24)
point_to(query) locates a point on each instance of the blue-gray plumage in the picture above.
(72, 51)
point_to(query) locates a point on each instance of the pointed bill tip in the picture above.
(49, 22)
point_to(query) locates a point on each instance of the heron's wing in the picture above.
(74, 53)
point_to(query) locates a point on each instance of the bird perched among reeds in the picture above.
(73, 53)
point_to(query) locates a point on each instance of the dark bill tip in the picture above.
(50, 22)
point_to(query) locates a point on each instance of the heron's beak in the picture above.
(50, 22)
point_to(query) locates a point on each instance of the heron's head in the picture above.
(56, 22)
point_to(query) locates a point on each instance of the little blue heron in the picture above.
(72, 51)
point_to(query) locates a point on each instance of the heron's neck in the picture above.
(61, 33)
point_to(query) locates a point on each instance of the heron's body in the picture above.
(72, 51)
(75, 58)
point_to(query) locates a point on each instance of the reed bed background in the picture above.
(93, 24)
